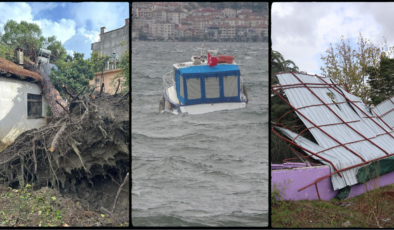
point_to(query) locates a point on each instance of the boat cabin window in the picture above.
(193, 88)
(181, 86)
(230, 84)
(212, 89)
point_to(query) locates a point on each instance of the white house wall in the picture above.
(13, 109)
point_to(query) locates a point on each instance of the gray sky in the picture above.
(303, 31)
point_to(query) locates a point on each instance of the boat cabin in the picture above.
(203, 84)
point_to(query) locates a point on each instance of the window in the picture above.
(230, 84)
(34, 106)
(181, 87)
(97, 81)
(212, 89)
(193, 88)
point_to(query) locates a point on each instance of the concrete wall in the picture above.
(110, 42)
(13, 109)
(108, 76)
(301, 177)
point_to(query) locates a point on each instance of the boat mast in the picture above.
(202, 53)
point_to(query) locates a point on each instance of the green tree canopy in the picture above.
(23, 35)
(58, 51)
(74, 72)
(381, 80)
(98, 61)
(279, 64)
(6, 52)
(28, 36)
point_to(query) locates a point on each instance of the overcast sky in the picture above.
(76, 25)
(303, 31)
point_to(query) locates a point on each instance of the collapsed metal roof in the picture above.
(385, 111)
(348, 135)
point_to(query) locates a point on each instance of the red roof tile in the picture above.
(10, 67)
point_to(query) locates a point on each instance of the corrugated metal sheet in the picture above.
(341, 130)
(385, 110)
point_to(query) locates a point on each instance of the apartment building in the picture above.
(144, 12)
(175, 16)
(228, 12)
(227, 31)
(159, 15)
(163, 29)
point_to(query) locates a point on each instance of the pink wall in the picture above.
(300, 177)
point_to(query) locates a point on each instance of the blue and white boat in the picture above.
(196, 88)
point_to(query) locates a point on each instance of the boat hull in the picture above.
(176, 108)
(207, 108)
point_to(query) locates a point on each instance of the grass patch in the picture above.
(373, 209)
(46, 208)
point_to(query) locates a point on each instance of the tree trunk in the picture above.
(51, 94)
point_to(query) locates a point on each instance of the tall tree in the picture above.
(57, 49)
(24, 35)
(279, 64)
(381, 80)
(28, 36)
(350, 66)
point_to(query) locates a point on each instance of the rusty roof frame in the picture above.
(349, 136)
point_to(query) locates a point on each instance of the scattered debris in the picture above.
(347, 204)
(346, 224)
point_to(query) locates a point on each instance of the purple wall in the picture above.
(300, 177)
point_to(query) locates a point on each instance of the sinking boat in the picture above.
(200, 86)
(354, 143)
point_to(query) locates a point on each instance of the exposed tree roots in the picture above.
(75, 152)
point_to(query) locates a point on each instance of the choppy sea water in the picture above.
(199, 170)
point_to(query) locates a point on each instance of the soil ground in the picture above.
(373, 209)
(48, 208)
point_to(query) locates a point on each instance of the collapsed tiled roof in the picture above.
(10, 67)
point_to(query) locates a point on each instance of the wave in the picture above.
(195, 136)
(160, 220)
(198, 158)
(247, 212)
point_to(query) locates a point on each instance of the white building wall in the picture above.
(13, 109)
